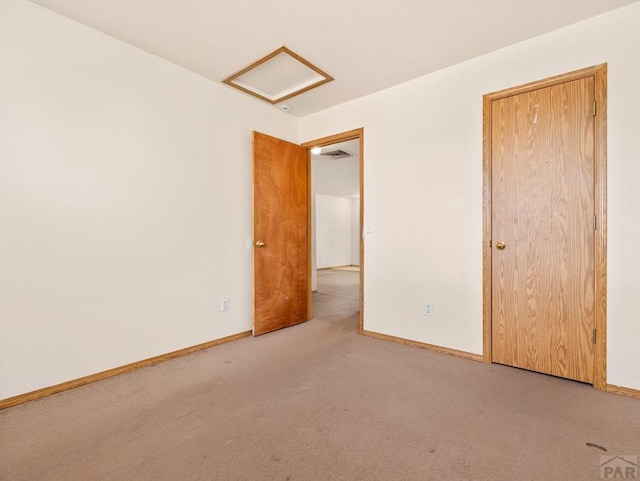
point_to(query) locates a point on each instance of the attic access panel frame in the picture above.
(315, 76)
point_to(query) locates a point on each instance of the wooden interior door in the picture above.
(542, 230)
(280, 234)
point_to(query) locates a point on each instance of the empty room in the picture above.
(184, 295)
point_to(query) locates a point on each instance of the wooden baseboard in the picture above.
(625, 391)
(336, 267)
(65, 386)
(424, 345)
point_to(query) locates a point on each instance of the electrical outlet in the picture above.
(224, 305)
(428, 308)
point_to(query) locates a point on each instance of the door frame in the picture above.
(599, 73)
(321, 142)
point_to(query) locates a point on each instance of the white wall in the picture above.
(314, 270)
(333, 231)
(423, 186)
(125, 202)
(355, 231)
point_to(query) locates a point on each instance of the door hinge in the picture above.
(594, 336)
(594, 222)
(594, 108)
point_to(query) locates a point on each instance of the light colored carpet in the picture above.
(320, 402)
(338, 284)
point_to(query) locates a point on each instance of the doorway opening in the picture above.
(336, 268)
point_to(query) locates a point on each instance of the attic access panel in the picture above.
(279, 76)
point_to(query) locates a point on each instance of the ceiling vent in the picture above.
(337, 154)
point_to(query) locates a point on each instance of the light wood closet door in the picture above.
(543, 287)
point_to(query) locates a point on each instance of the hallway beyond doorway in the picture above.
(337, 297)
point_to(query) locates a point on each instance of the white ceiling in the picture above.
(365, 45)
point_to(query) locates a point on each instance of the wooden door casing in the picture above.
(334, 139)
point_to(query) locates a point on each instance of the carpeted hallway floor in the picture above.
(318, 401)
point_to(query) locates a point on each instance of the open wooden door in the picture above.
(280, 234)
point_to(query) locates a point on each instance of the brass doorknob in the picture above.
(259, 244)
(500, 245)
